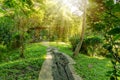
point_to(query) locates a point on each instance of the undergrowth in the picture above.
(12, 67)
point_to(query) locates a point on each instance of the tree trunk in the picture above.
(22, 29)
(22, 45)
(78, 47)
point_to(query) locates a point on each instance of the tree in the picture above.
(62, 22)
(20, 12)
(78, 47)
(106, 23)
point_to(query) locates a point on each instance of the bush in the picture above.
(93, 45)
(89, 45)
(6, 26)
(74, 40)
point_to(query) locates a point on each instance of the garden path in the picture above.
(48, 70)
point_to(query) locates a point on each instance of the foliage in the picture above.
(89, 44)
(97, 67)
(6, 24)
(74, 41)
(21, 69)
(112, 36)
(18, 16)
(61, 21)
(114, 31)
(32, 50)
(12, 67)
(92, 44)
(107, 24)
(93, 40)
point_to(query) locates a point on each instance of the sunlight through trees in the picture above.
(90, 27)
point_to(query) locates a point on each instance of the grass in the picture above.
(93, 68)
(89, 68)
(62, 47)
(12, 67)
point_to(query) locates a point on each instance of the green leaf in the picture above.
(10, 3)
(93, 40)
(116, 37)
(98, 26)
(116, 8)
(117, 43)
(107, 46)
(114, 31)
(109, 3)
(29, 2)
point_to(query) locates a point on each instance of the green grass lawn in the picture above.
(92, 68)
(89, 68)
(12, 67)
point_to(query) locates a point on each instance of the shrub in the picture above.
(89, 45)
(74, 40)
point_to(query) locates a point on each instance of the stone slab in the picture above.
(46, 73)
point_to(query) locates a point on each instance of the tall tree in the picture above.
(78, 47)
